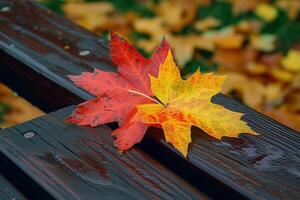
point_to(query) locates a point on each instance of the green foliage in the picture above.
(120, 5)
(132, 5)
(193, 65)
(273, 26)
(4, 108)
(135, 35)
(156, 1)
(186, 30)
(54, 5)
(220, 10)
(204, 53)
(288, 34)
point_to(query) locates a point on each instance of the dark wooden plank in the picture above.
(8, 191)
(47, 43)
(71, 162)
(259, 167)
(255, 167)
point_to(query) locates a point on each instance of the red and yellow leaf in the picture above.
(188, 102)
(113, 100)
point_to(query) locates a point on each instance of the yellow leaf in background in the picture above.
(20, 109)
(151, 26)
(282, 75)
(207, 23)
(171, 13)
(177, 14)
(291, 61)
(97, 16)
(182, 46)
(234, 41)
(266, 11)
(185, 103)
(265, 42)
(273, 92)
(225, 38)
(249, 26)
(249, 90)
(291, 6)
(79, 10)
(257, 68)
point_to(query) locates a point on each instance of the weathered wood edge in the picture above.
(196, 170)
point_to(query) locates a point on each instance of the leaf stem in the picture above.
(142, 94)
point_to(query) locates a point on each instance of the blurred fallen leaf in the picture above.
(251, 91)
(249, 26)
(265, 42)
(256, 68)
(97, 16)
(282, 75)
(207, 23)
(177, 13)
(291, 6)
(266, 11)
(182, 46)
(240, 6)
(20, 109)
(154, 27)
(235, 60)
(273, 92)
(271, 60)
(291, 61)
(225, 38)
(292, 101)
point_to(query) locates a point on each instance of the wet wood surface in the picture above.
(41, 54)
(72, 162)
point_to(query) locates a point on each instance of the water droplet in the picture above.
(5, 9)
(29, 134)
(84, 52)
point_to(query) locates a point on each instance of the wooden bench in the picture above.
(45, 158)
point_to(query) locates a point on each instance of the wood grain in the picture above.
(252, 167)
(266, 166)
(72, 162)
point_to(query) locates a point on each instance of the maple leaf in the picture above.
(114, 101)
(188, 102)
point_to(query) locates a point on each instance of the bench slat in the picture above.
(71, 162)
(255, 167)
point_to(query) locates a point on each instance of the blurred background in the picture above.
(255, 42)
